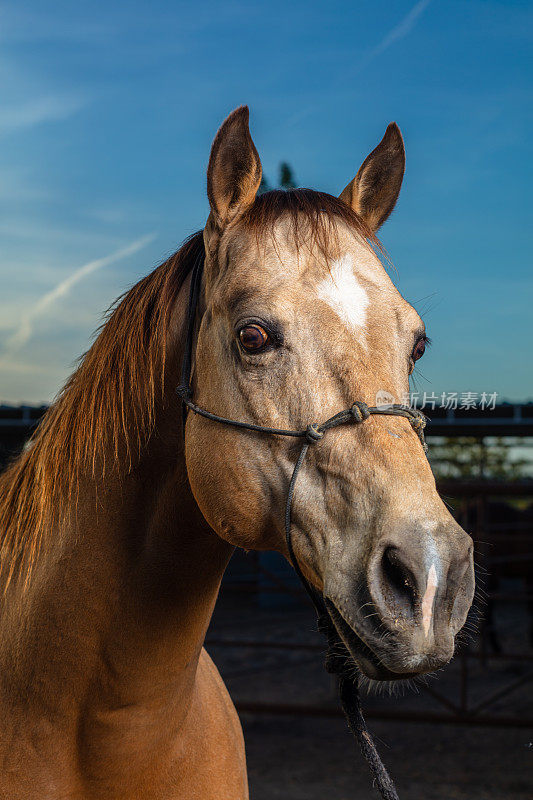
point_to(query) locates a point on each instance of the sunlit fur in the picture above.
(108, 405)
(116, 530)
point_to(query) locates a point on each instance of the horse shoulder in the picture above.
(212, 749)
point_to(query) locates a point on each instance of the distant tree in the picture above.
(286, 179)
(465, 457)
(286, 176)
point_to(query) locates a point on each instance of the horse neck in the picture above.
(119, 619)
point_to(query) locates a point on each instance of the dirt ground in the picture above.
(295, 757)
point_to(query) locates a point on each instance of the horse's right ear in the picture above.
(234, 171)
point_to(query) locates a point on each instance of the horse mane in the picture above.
(106, 410)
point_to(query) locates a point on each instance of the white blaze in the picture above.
(429, 597)
(343, 293)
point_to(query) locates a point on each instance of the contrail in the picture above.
(25, 329)
(401, 30)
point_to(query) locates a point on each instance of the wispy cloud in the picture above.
(24, 331)
(402, 29)
(37, 111)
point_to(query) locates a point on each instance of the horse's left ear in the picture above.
(375, 189)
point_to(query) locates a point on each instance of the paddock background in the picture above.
(465, 734)
(107, 116)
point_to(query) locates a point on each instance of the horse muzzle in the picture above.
(403, 617)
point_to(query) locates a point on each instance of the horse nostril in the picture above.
(398, 585)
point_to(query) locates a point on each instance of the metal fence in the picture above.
(498, 514)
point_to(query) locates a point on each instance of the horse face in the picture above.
(300, 320)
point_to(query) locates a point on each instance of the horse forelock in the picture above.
(312, 216)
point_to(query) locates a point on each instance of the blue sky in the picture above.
(107, 115)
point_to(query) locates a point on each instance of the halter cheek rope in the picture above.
(338, 659)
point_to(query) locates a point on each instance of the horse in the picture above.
(118, 520)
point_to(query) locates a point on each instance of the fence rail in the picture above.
(471, 501)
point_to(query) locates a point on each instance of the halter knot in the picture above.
(184, 392)
(360, 411)
(313, 434)
(418, 423)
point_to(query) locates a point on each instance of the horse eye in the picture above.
(253, 338)
(419, 349)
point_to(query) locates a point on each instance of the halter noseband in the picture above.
(358, 413)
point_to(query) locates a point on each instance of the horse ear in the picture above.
(375, 189)
(234, 171)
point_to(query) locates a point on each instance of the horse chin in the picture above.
(364, 657)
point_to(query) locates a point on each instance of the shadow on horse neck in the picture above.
(105, 605)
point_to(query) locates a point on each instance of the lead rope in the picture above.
(337, 660)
